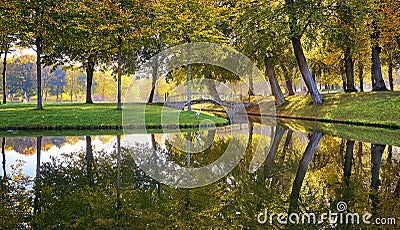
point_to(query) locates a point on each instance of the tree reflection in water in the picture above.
(96, 188)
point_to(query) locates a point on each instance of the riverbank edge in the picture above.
(110, 127)
(316, 119)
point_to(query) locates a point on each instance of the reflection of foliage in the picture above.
(70, 199)
(15, 202)
(125, 197)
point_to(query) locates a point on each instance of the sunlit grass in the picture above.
(371, 107)
(60, 115)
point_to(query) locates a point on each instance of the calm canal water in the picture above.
(269, 177)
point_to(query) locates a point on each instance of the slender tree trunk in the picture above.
(390, 153)
(39, 71)
(250, 141)
(288, 140)
(348, 162)
(4, 74)
(305, 72)
(153, 80)
(360, 149)
(288, 143)
(377, 71)
(36, 202)
(57, 94)
(390, 73)
(118, 203)
(302, 170)
(3, 153)
(360, 75)
(251, 87)
(119, 72)
(349, 67)
(89, 79)
(276, 89)
(89, 160)
(269, 162)
(288, 79)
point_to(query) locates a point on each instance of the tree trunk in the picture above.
(376, 159)
(288, 140)
(390, 73)
(288, 143)
(118, 203)
(153, 80)
(4, 74)
(305, 72)
(348, 162)
(288, 80)
(302, 170)
(360, 75)
(349, 67)
(89, 160)
(39, 72)
(119, 72)
(36, 207)
(390, 153)
(57, 94)
(301, 59)
(3, 153)
(269, 162)
(251, 87)
(377, 71)
(250, 141)
(213, 90)
(276, 90)
(89, 79)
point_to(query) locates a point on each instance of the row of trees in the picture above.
(60, 83)
(325, 38)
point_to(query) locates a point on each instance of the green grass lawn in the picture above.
(351, 132)
(79, 115)
(372, 107)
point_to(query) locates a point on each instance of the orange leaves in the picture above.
(390, 21)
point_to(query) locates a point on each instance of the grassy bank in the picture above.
(351, 132)
(93, 116)
(376, 108)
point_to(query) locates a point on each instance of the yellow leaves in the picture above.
(390, 21)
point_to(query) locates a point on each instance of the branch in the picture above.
(308, 21)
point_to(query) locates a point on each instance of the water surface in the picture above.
(90, 182)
